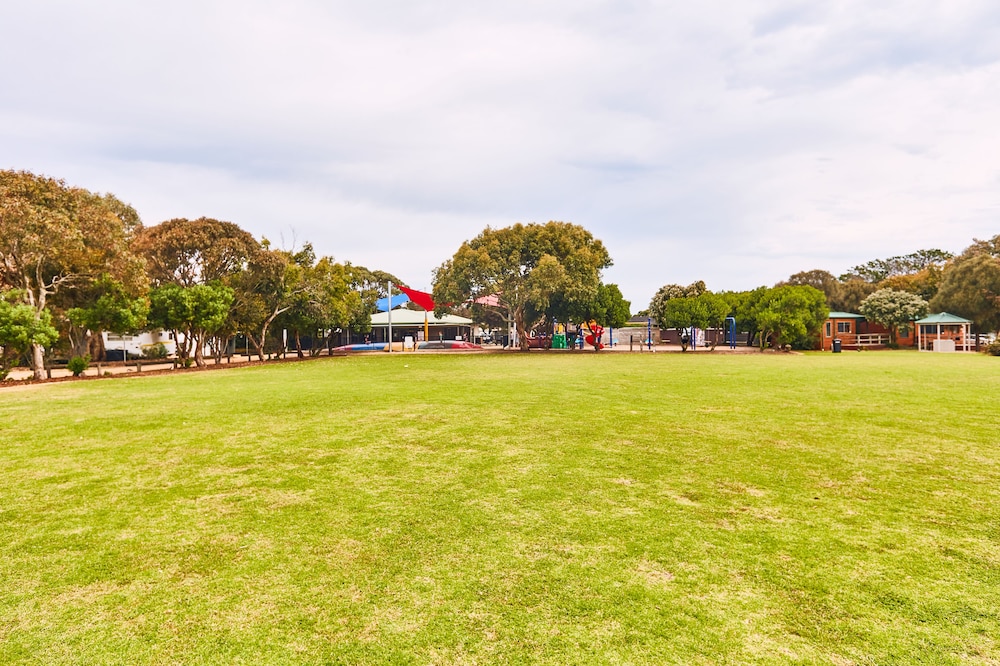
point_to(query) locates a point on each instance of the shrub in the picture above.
(78, 364)
(158, 350)
(993, 349)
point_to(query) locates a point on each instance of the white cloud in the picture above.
(731, 142)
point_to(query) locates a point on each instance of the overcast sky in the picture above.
(734, 142)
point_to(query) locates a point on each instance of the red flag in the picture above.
(421, 298)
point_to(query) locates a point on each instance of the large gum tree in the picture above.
(525, 266)
(970, 285)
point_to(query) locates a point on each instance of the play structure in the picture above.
(592, 334)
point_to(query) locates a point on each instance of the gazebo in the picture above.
(943, 332)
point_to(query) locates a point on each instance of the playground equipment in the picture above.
(559, 336)
(594, 331)
(731, 332)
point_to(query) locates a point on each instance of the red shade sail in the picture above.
(421, 298)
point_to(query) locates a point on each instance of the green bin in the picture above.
(559, 341)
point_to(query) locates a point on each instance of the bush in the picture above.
(993, 349)
(158, 350)
(78, 364)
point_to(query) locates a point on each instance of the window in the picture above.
(829, 327)
(843, 327)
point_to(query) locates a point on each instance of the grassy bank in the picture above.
(575, 508)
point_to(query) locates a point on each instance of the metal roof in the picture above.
(844, 315)
(416, 318)
(943, 318)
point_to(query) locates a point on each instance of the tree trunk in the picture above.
(199, 355)
(38, 361)
(95, 347)
(298, 345)
(37, 351)
(257, 345)
(263, 331)
(79, 341)
(522, 334)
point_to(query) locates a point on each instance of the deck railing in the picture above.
(864, 340)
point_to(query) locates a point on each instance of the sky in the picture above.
(732, 142)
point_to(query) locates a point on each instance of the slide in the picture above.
(595, 333)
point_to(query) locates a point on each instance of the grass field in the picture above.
(562, 509)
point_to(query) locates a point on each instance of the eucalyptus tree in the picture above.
(970, 285)
(524, 267)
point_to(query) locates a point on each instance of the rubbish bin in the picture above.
(559, 341)
(836, 345)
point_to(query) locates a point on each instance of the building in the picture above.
(856, 332)
(411, 323)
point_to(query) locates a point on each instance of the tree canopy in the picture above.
(706, 310)
(192, 313)
(893, 309)
(657, 306)
(189, 252)
(877, 270)
(791, 314)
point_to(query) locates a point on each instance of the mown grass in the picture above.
(574, 508)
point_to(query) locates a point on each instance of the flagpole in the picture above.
(388, 286)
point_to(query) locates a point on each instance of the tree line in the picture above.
(74, 264)
(892, 292)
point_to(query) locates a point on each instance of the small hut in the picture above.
(844, 326)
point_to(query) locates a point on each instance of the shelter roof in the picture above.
(493, 300)
(382, 304)
(416, 318)
(943, 318)
(844, 315)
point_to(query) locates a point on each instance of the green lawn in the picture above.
(563, 509)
